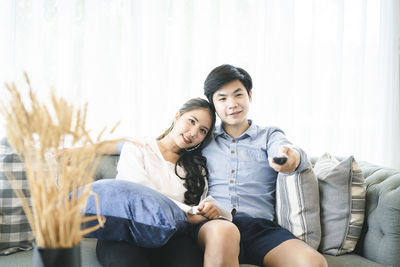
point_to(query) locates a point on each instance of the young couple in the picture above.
(231, 163)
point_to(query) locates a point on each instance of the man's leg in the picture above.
(294, 252)
(220, 241)
(268, 244)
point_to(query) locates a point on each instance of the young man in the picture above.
(242, 174)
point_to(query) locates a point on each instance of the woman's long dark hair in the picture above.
(193, 161)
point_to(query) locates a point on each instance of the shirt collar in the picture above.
(250, 132)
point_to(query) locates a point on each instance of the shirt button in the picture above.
(233, 141)
(231, 181)
(232, 151)
(234, 205)
(233, 171)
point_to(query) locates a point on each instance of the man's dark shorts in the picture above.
(258, 236)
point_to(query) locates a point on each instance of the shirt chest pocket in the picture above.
(253, 156)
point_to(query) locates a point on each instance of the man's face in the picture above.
(231, 103)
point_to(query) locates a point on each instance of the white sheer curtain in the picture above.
(325, 71)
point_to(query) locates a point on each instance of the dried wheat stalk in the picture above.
(59, 179)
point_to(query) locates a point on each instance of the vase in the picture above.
(56, 257)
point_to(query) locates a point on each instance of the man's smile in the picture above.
(235, 114)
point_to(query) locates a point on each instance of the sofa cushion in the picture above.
(15, 232)
(135, 213)
(342, 200)
(89, 259)
(350, 260)
(297, 205)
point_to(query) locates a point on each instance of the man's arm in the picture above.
(293, 160)
(278, 145)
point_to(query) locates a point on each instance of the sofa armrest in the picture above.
(381, 242)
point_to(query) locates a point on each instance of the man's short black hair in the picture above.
(222, 75)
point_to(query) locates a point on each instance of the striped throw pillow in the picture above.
(342, 192)
(297, 205)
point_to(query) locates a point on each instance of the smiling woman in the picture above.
(173, 165)
(189, 127)
(327, 71)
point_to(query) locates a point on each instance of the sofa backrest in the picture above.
(107, 168)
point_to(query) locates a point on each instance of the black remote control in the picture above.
(280, 160)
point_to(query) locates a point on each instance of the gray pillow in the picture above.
(297, 205)
(342, 193)
(15, 232)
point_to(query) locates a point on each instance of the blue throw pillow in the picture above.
(135, 213)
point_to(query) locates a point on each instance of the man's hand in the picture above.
(292, 162)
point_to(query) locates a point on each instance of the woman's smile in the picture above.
(186, 140)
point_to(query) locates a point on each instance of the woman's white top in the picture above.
(144, 164)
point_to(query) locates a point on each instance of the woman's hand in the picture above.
(208, 210)
(195, 218)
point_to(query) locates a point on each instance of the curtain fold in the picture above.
(325, 71)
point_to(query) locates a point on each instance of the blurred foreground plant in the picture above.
(59, 178)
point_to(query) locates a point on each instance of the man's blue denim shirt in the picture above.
(239, 173)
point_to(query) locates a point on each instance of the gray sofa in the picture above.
(378, 246)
